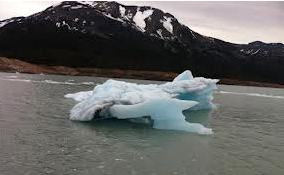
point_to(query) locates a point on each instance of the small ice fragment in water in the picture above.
(162, 103)
(79, 96)
(12, 76)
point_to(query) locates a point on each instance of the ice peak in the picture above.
(186, 75)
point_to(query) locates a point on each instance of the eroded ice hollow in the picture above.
(164, 103)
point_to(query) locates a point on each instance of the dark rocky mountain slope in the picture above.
(110, 35)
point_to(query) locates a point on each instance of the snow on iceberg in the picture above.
(163, 103)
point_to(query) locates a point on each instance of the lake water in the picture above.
(37, 137)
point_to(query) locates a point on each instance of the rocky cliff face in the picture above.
(111, 35)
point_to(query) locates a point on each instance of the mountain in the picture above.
(110, 35)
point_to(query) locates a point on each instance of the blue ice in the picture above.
(164, 103)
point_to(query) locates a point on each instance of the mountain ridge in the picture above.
(112, 35)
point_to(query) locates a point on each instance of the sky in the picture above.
(237, 22)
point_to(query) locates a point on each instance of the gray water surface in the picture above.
(37, 137)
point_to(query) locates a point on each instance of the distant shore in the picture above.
(14, 65)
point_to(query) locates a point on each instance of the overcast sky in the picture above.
(238, 22)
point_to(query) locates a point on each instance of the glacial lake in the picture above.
(37, 137)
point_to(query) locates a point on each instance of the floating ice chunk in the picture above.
(79, 96)
(159, 108)
(166, 113)
(163, 103)
(197, 89)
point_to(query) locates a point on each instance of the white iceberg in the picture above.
(162, 103)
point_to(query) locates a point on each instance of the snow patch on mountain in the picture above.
(5, 22)
(251, 51)
(122, 11)
(194, 37)
(167, 24)
(159, 32)
(129, 15)
(90, 3)
(77, 7)
(66, 6)
(140, 17)
(58, 24)
(256, 51)
(111, 17)
(65, 24)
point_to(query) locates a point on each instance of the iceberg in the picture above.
(163, 103)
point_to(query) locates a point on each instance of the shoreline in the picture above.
(13, 65)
